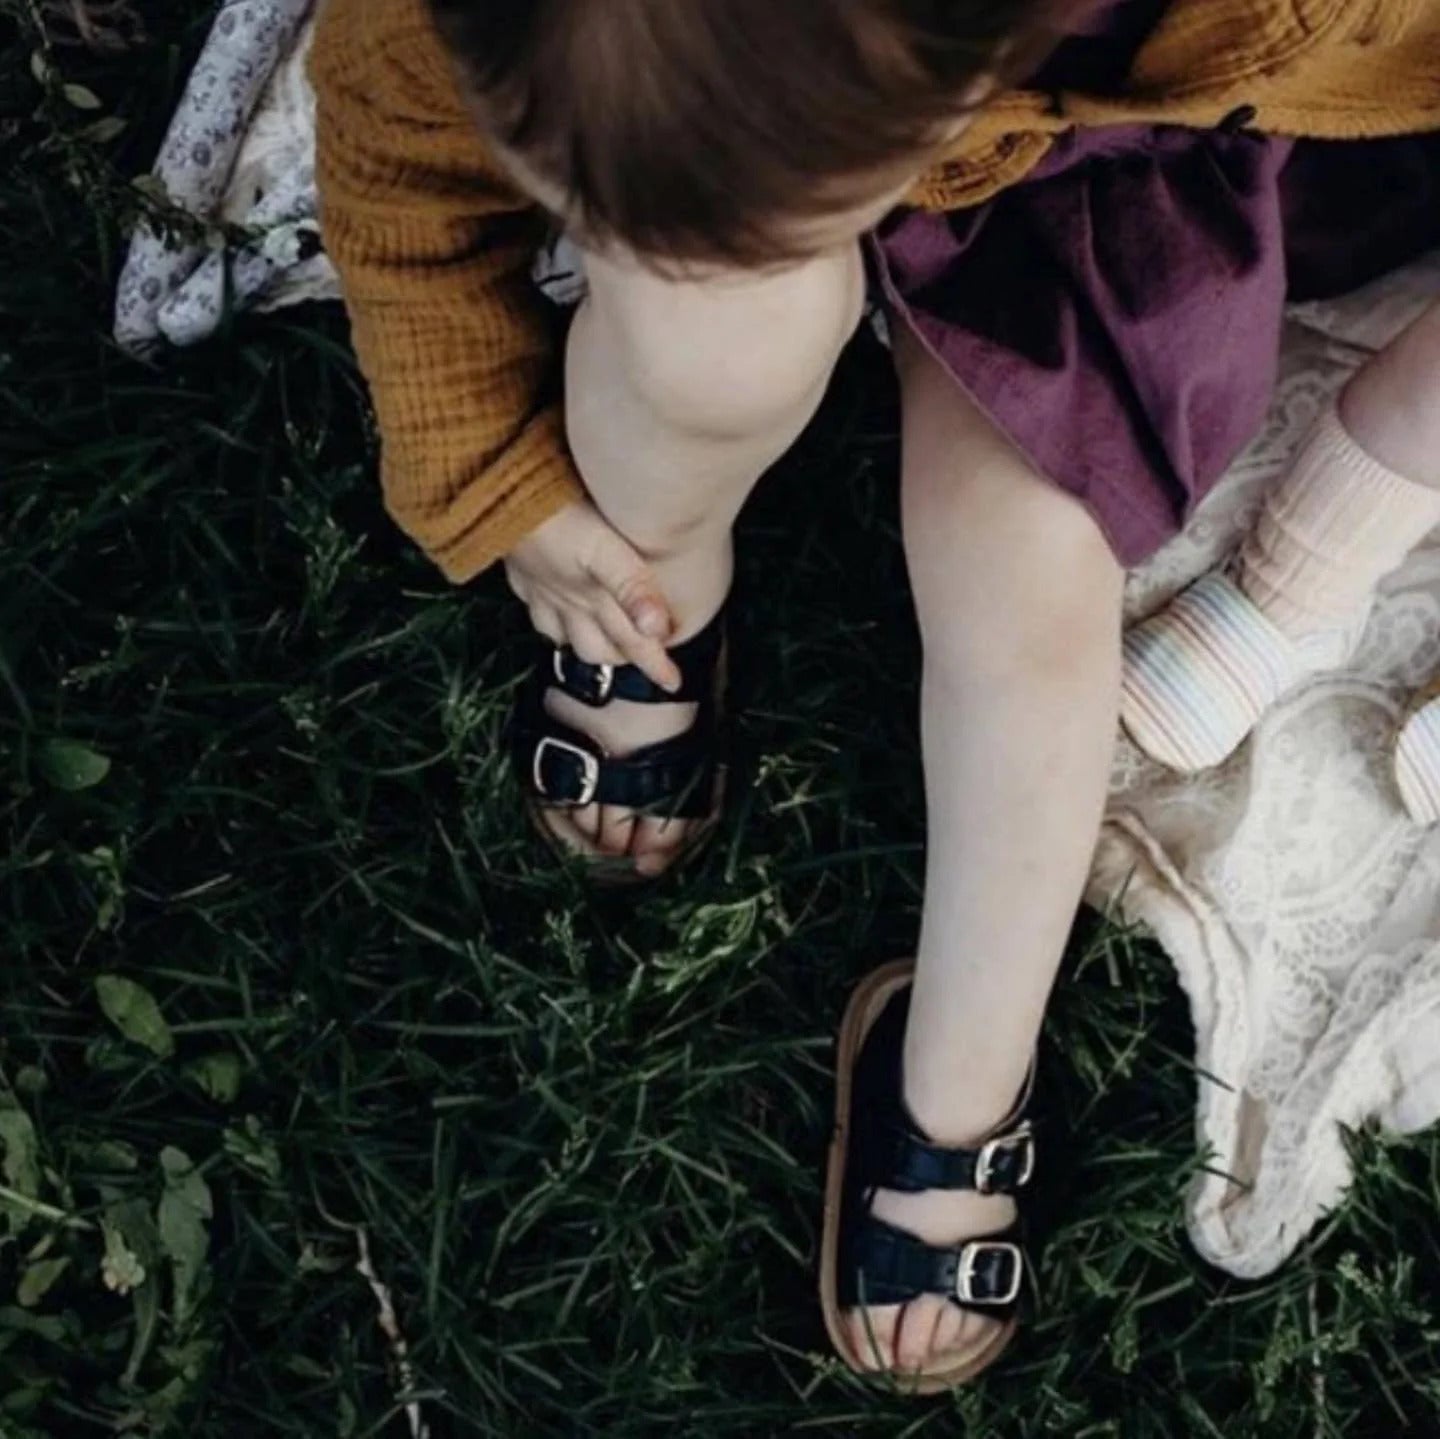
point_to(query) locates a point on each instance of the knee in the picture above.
(734, 355)
(1012, 577)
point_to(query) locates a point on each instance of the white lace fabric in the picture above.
(1300, 907)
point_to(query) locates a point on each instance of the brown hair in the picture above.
(703, 129)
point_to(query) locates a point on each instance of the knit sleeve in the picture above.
(434, 249)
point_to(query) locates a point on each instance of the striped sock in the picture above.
(1417, 762)
(1200, 674)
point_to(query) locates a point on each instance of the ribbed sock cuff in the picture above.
(1336, 525)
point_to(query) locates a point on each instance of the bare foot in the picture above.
(621, 728)
(929, 1334)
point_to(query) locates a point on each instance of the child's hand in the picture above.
(585, 586)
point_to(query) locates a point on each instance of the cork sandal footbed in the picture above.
(865, 1007)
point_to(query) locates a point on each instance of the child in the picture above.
(1085, 279)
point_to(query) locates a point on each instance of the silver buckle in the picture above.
(970, 1257)
(985, 1162)
(605, 681)
(589, 772)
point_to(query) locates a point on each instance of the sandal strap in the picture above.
(984, 1275)
(564, 768)
(597, 685)
(891, 1151)
(906, 1160)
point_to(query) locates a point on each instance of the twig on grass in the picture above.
(390, 1327)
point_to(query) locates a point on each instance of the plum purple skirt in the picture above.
(1118, 313)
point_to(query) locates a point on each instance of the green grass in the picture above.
(579, 1137)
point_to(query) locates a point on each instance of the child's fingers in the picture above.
(647, 655)
(656, 844)
(589, 641)
(546, 619)
(630, 582)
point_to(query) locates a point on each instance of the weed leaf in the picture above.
(218, 1075)
(184, 1208)
(37, 1280)
(131, 1008)
(71, 766)
(22, 1163)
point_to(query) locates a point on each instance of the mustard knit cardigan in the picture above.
(434, 246)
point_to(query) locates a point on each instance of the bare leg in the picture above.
(1392, 405)
(1019, 604)
(679, 396)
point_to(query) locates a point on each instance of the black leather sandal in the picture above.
(877, 1145)
(680, 778)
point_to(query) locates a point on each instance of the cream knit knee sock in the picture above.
(1199, 675)
(1330, 531)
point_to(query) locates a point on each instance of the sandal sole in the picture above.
(865, 1007)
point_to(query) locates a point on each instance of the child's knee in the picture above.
(733, 355)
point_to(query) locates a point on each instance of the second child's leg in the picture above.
(1362, 491)
(679, 395)
(1018, 597)
(1392, 406)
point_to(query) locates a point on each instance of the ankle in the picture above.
(961, 1104)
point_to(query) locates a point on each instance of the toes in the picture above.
(587, 820)
(927, 1335)
(586, 832)
(872, 1336)
(617, 827)
(656, 843)
(959, 1337)
(561, 824)
(917, 1332)
(975, 1332)
(949, 1342)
